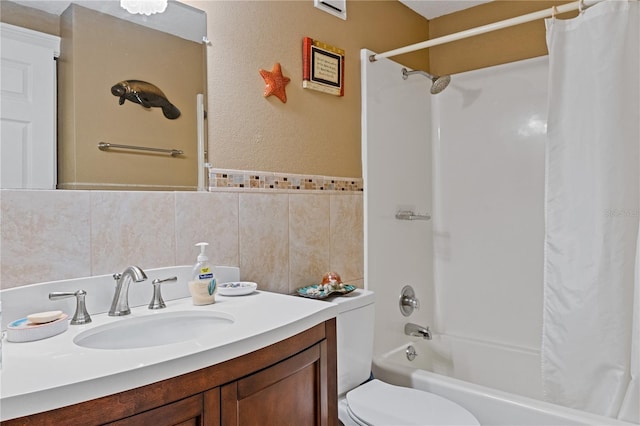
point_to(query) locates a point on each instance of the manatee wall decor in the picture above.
(145, 94)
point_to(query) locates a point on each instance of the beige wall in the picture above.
(313, 133)
(498, 47)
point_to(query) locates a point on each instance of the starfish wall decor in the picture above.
(275, 82)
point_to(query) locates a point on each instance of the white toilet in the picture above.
(373, 402)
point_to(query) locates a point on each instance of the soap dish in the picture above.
(23, 330)
(237, 288)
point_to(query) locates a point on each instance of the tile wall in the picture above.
(228, 178)
(282, 239)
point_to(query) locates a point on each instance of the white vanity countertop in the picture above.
(54, 372)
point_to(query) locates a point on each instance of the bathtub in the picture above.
(499, 384)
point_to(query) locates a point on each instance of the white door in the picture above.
(28, 109)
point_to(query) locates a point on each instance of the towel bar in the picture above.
(103, 146)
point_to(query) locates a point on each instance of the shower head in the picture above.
(438, 84)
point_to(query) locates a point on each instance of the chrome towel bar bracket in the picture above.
(103, 146)
(409, 215)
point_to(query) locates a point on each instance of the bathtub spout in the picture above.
(416, 330)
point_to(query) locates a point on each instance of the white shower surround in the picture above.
(481, 277)
(397, 176)
(489, 143)
(480, 283)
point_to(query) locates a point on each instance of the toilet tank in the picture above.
(354, 328)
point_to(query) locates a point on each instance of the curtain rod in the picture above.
(546, 13)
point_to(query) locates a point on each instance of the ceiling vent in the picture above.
(335, 7)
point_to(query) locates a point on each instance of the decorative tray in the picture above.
(319, 291)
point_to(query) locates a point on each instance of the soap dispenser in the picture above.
(203, 281)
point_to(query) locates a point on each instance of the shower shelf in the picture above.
(409, 215)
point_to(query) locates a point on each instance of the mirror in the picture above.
(165, 50)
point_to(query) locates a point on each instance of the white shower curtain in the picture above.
(590, 330)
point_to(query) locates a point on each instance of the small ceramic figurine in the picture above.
(332, 280)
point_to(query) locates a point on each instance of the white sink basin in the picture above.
(153, 330)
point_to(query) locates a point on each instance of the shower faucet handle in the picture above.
(408, 301)
(412, 302)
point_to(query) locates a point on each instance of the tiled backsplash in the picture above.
(280, 239)
(226, 178)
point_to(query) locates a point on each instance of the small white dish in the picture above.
(44, 317)
(237, 288)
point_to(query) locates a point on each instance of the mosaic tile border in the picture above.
(243, 179)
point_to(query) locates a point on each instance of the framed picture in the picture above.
(322, 67)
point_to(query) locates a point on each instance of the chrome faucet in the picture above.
(120, 303)
(416, 330)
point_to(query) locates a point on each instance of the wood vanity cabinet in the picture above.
(288, 393)
(292, 382)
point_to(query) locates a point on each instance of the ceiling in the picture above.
(428, 8)
(433, 8)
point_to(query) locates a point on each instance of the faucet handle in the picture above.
(81, 316)
(408, 301)
(156, 300)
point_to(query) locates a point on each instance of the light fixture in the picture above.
(144, 7)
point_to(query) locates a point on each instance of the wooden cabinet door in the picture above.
(186, 412)
(292, 392)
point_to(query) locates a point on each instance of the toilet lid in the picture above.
(379, 403)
